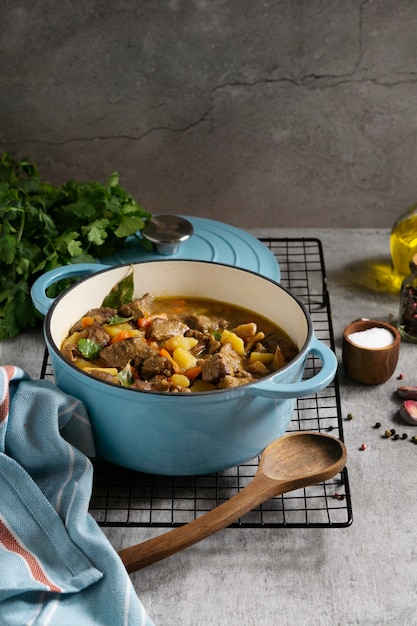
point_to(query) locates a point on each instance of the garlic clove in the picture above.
(407, 392)
(408, 412)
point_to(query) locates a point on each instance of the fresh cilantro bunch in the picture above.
(43, 227)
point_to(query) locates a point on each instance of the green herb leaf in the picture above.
(120, 294)
(96, 232)
(119, 319)
(43, 227)
(125, 376)
(89, 348)
(128, 225)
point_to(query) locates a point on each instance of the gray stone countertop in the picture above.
(363, 574)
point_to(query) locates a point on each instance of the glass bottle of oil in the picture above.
(407, 315)
(403, 242)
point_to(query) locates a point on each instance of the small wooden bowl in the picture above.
(370, 366)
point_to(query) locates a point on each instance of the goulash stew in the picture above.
(177, 345)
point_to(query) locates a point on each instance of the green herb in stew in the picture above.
(120, 293)
(89, 349)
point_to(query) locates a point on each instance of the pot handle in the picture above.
(306, 387)
(38, 291)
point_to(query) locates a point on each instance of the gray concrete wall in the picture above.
(256, 113)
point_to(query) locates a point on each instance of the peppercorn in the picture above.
(349, 416)
(388, 433)
(404, 436)
(396, 437)
(377, 425)
(363, 446)
(330, 428)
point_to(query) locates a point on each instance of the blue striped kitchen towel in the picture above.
(57, 566)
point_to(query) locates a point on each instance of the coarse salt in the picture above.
(372, 338)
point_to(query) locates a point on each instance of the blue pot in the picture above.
(184, 434)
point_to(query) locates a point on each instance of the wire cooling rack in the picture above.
(122, 497)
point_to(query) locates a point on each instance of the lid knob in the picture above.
(167, 232)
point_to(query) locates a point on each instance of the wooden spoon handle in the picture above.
(291, 462)
(260, 489)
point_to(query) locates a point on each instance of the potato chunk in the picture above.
(184, 358)
(237, 343)
(264, 357)
(202, 385)
(246, 331)
(114, 329)
(179, 341)
(180, 380)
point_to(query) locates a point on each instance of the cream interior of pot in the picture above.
(185, 278)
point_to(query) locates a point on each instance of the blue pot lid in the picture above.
(210, 241)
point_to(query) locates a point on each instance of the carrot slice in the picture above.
(87, 321)
(124, 334)
(144, 322)
(193, 372)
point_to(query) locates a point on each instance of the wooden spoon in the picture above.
(293, 461)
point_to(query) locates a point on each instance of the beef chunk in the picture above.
(71, 351)
(233, 381)
(160, 383)
(279, 360)
(157, 365)
(143, 385)
(121, 353)
(213, 368)
(97, 334)
(221, 364)
(213, 346)
(288, 349)
(100, 315)
(231, 358)
(206, 343)
(102, 375)
(138, 308)
(179, 389)
(255, 340)
(257, 368)
(162, 329)
(205, 324)
(144, 352)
